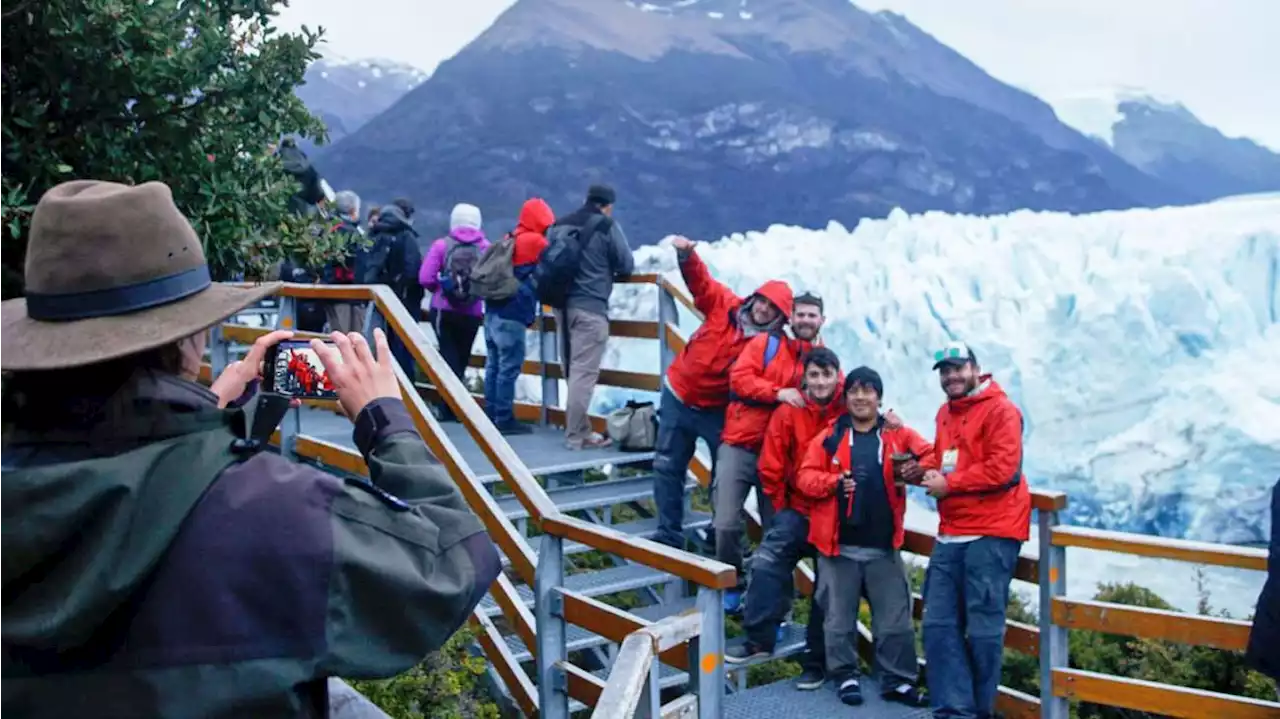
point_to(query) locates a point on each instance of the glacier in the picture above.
(1138, 343)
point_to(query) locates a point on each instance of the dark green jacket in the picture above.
(150, 571)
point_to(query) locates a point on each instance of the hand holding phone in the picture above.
(235, 379)
(293, 368)
(356, 375)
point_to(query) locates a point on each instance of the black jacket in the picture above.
(1264, 640)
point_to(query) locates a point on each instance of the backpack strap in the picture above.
(771, 348)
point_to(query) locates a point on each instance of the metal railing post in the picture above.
(650, 706)
(548, 351)
(706, 654)
(1053, 639)
(287, 318)
(218, 351)
(371, 316)
(667, 314)
(553, 694)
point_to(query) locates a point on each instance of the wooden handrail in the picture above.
(516, 679)
(700, 570)
(1157, 698)
(609, 377)
(1145, 623)
(1222, 555)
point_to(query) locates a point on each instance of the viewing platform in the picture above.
(597, 618)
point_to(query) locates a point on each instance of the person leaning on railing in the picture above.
(156, 562)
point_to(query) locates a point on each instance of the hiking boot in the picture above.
(595, 441)
(850, 692)
(514, 428)
(746, 652)
(810, 679)
(906, 693)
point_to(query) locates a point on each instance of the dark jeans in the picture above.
(456, 333)
(505, 343)
(966, 593)
(679, 427)
(772, 586)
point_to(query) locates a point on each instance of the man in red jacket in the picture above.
(769, 594)
(984, 508)
(766, 376)
(856, 524)
(696, 388)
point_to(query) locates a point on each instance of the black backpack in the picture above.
(554, 275)
(459, 259)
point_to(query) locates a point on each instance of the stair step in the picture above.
(589, 495)
(781, 700)
(593, 584)
(646, 528)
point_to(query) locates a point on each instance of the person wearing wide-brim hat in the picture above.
(156, 563)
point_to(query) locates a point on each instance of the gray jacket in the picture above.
(605, 256)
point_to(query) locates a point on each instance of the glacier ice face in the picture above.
(1139, 344)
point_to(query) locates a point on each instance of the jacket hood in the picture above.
(535, 216)
(779, 293)
(467, 235)
(82, 532)
(392, 220)
(988, 389)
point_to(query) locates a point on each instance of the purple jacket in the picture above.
(429, 274)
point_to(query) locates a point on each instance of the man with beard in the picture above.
(768, 596)
(984, 511)
(765, 376)
(695, 390)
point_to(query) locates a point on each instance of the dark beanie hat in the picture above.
(866, 377)
(601, 195)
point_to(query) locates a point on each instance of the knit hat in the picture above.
(601, 195)
(464, 215)
(865, 377)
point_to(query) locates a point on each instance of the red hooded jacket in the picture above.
(699, 375)
(827, 459)
(987, 494)
(531, 232)
(786, 441)
(753, 387)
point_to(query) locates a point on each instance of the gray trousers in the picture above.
(587, 335)
(347, 703)
(841, 584)
(735, 477)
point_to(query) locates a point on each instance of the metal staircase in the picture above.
(591, 614)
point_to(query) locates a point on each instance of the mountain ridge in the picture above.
(709, 125)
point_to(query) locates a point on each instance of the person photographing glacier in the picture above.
(156, 561)
(695, 389)
(984, 511)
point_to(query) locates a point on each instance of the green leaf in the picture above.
(64, 169)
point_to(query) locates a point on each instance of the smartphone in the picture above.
(293, 369)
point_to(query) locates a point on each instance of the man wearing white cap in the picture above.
(984, 508)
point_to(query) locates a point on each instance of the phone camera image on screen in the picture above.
(297, 371)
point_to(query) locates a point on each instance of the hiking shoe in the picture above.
(745, 652)
(810, 679)
(595, 441)
(514, 428)
(733, 602)
(906, 693)
(850, 692)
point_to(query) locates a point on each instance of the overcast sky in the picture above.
(1218, 57)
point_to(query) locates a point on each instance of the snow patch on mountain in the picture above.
(1135, 342)
(1096, 112)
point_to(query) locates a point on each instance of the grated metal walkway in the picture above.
(543, 452)
(781, 700)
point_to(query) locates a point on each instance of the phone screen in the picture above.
(295, 370)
